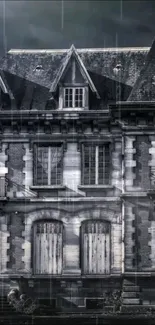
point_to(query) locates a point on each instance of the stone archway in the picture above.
(108, 215)
(30, 218)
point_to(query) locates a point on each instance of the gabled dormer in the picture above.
(73, 83)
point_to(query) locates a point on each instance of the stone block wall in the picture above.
(116, 165)
(137, 163)
(28, 166)
(142, 156)
(129, 236)
(75, 293)
(152, 160)
(129, 162)
(15, 166)
(4, 243)
(137, 235)
(15, 227)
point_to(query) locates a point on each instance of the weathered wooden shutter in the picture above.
(47, 248)
(95, 247)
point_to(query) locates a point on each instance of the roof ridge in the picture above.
(117, 49)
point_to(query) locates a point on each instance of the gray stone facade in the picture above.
(34, 116)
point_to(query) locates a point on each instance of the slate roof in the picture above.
(27, 94)
(144, 88)
(30, 73)
(110, 90)
(24, 63)
(4, 85)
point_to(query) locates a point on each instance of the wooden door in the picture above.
(95, 247)
(47, 248)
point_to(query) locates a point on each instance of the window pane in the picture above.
(56, 165)
(104, 164)
(89, 165)
(41, 166)
(79, 97)
(91, 171)
(48, 165)
(68, 97)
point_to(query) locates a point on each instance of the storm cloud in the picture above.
(58, 24)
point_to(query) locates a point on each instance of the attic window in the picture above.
(74, 97)
(39, 67)
(118, 69)
(118, 66)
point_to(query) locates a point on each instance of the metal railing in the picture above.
(5, 182)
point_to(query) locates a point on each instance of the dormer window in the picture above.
(74, 83)
(74, 97)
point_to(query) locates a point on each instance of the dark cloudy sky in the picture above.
(93, 23)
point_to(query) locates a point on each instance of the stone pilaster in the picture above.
(151, 244)
(152, 161)
(130, 162)
(15, 169)
(4, 244)
(117, 165)
(72, 248)
(3, 169)
(28, 169)
(116, 253)
(129, 237)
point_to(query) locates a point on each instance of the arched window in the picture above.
(47, 247)
(95, 247)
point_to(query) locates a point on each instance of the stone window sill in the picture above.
(97, 187)
(47, 187)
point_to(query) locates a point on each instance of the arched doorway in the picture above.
(47, 247)
(95, 247)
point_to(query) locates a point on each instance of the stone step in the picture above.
(130, 301)
(130, 295)
(133, 309)
(131, 289)
(127, 282)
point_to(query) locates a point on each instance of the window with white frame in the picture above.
(95, 164)
(73, 97)
(48, 165)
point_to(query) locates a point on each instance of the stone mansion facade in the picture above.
(77, 179)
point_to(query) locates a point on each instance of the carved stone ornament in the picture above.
(112, 298)
(21, 303)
